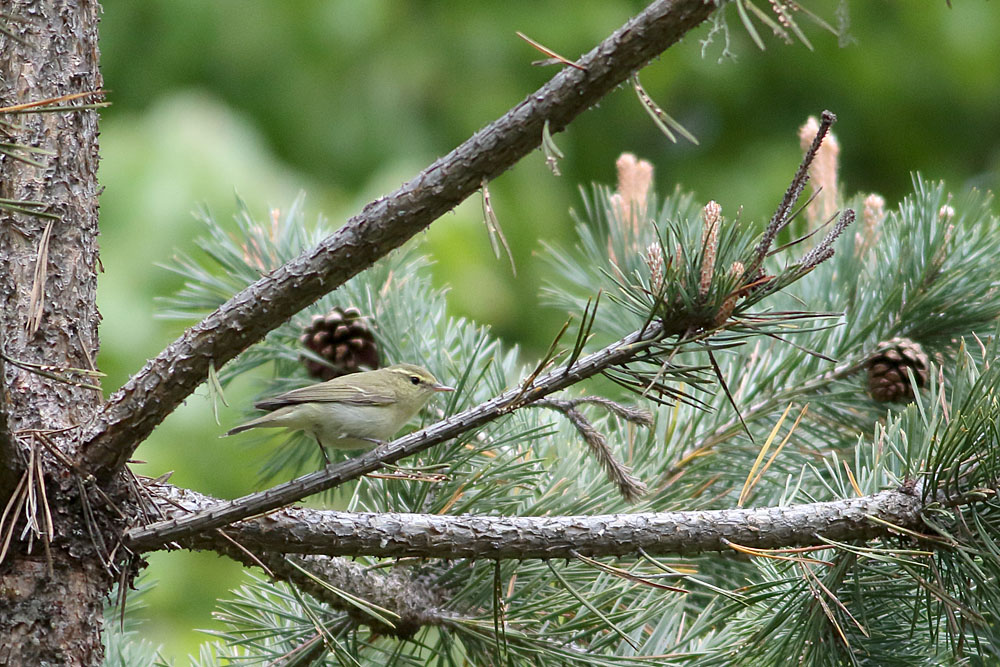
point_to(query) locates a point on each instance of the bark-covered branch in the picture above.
(410, 604)
(384, 224)
(226, 512)
(308, 531)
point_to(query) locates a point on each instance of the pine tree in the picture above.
(744, 488)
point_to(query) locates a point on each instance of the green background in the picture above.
(345, 100)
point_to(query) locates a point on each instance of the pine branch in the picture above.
(410, 604)
(390, 534)
(781, 216)
(278, 625)
(384, 224)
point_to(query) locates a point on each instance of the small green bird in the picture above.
(353, 411)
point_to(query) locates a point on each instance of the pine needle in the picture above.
(550, 53)
(494, 230)
(748, 24)
(36, 304)
(587, 603)
(381, 614)
(850, 477)
(781, 446)
(550, 150)
(625, 574)
(770, 553)
(215, 391)
(667, 124)
(751, 476)
(24, 106)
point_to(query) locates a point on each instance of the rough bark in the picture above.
(410, 604)
(384, 224)
(50, 599)
(391, 534)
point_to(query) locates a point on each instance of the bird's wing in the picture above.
(326, 393)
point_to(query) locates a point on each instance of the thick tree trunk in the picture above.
(52, 582)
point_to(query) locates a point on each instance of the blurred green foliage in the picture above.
(346, 100)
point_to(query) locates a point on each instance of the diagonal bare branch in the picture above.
(332, 533)
(386, 223)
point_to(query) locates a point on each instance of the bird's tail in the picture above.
(253, 423)
(238, 429)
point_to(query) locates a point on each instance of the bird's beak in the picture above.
(441, 387)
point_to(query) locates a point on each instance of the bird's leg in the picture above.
(322, 450)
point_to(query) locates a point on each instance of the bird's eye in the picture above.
(414, 379)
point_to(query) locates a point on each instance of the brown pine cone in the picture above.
(343, 339)
(888, 379)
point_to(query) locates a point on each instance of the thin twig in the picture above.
(631, 487)
(792, 194)
(638, 416)
(824, 250)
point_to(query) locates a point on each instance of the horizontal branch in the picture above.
(148, 397)
(407, 604)
(226, 512)
(308, 531)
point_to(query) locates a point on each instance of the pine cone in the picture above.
(343, 339)
(888, 379)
